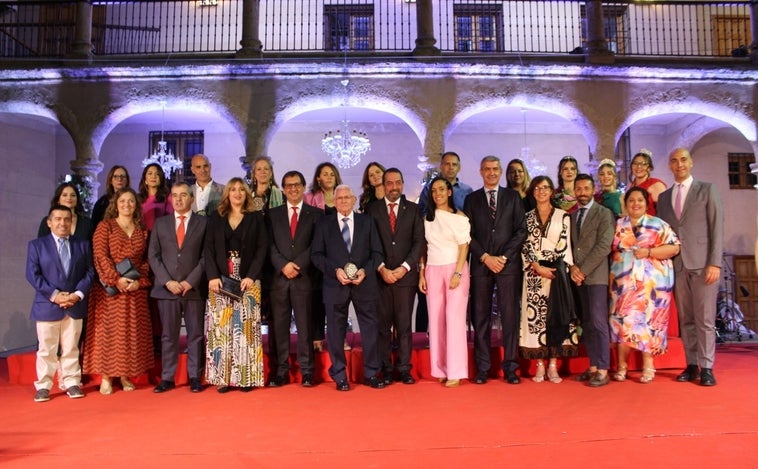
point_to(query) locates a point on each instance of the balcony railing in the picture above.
(158, 27)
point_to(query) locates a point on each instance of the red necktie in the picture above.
(180, 231)
(293, 222)
(393, 217)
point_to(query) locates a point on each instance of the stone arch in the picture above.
(529, 102)
(25, 107)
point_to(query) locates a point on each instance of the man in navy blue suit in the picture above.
(59, 267)
(347, 249)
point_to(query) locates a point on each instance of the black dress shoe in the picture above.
(196, 385)
(586, 376)
(164, 386)
(279, 381)
(342, 385)
(374, 382)
(307, 381)
(691, 373)
(596, 381)
(481, 378)
(512, 378)
(406, 378)
(387, 378)
(706, 377)
(223, 389)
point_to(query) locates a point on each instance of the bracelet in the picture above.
(457, 274)
(421, 266)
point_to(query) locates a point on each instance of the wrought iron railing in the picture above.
(159, 27)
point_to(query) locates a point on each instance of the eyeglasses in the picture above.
(542, 189)
(119, 176)
(294, 185)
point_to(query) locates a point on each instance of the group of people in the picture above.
(222, 257)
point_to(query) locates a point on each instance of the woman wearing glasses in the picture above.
(642, 166)
(118, 178)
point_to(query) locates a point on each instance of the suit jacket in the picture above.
(217, 190)
(254, 246)
(502, 236)
(592, 244)
(407, 243)
(328, 253)
(84, 228)
(169, 262)
(44, 272)
(701, 228)
(284, 249)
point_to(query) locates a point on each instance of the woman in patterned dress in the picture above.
(235, 246)
(547, 329)
(642, 283)
(118, 327)
(642, 166)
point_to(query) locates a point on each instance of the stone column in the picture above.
(425, 40)
(85, 169)
(252, 47)
(596, 47)
(82, 45)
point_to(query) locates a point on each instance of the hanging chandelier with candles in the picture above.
(162, 155)
(346, 147)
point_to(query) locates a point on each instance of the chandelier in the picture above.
(162, 156)
(533, 165)
(345, 146)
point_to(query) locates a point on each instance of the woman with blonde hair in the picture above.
(608, 194)
(235, 250)
(266, 194)
(517, 178)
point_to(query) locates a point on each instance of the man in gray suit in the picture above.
(207, 194)
(592, 228)
(176, 258)
(693, 209)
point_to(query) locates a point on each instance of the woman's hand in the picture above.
(422, 283)
(246, 283)
(542, 271)
(214, 285)
(126, 285)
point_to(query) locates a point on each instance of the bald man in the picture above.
(206, 193)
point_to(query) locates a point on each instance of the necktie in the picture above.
(678, 201)
(346, 233)
(582, 212)
(180, 231)
(493, 206)
(293, 222)
(63, 253)
(393, 217)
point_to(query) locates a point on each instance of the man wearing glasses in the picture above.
(291, 230)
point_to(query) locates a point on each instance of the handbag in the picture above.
(125, 269)
(231, 287)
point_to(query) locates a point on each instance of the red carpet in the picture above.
(621, 425)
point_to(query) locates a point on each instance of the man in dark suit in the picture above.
(693, 209)
(402, 234)
(347, 249)
(176, 258)
(206, 193)
(592, 228)
(59, 267)
(291, 231)
(498, 230)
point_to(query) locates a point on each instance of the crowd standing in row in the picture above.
(223, 257)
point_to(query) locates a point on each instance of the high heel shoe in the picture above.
(648, 375)
(540, 374)
(105, 386)
(620, 374)
(552, 374)
(126, 384)
(452, 383)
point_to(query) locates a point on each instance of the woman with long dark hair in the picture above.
(67, 194)
(154, 195)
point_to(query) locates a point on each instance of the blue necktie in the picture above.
(63, 253)
(582, 211)
(346, 233)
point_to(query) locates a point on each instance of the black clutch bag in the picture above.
(125, 269)
(231, 288)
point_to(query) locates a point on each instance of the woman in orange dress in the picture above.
(119, 339)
